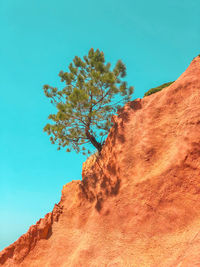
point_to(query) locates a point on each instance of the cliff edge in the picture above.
(138, 203)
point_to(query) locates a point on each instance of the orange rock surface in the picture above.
(138, 203)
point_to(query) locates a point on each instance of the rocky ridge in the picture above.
(138, 203)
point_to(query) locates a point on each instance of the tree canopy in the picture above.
(91, 95)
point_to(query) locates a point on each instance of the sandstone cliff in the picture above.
(138, 203)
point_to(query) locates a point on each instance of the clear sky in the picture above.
(155, 39)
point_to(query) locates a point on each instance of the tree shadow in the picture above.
(103, 182)
(100, 184)
(136, 104)
(124, 116)
(115, 135)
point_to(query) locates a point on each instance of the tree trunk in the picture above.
(93, 140)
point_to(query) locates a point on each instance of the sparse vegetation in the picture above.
(157, 89)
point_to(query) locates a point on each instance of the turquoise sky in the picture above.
(155, 39)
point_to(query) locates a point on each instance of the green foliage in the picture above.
(156, 89)
(91, 95)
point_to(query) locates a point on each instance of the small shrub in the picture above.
(157, 89)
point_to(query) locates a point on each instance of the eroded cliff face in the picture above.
(138, 203)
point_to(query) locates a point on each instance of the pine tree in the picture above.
(92, 94)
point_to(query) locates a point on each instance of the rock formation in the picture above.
(138, 203)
